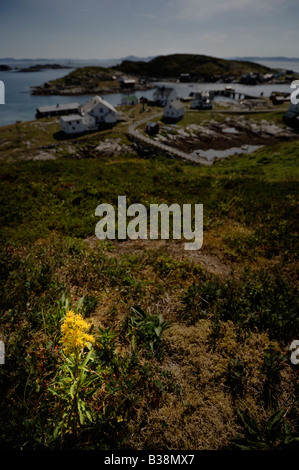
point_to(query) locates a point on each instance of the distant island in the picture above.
(39, 67)
(277, 58)
(34, 68)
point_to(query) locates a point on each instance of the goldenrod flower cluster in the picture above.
(74, 336)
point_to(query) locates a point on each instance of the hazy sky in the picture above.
(102, 29)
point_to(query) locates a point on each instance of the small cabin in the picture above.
(130, 100)
(185, 77)
(152, 128)
(125, 82)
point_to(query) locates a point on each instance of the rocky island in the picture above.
(39, 67)
(91, 81)
(33, 68)
(138, 75)
(203, 68)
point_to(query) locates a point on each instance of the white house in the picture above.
(174, 110)
(100, 109)
(72, 124)
(164, 94)
(92, 115)
(201, 101)
(75, 124)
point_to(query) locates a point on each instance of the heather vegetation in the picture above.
(140, 344)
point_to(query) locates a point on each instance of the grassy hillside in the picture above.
(90, 76)
(85, 80)
(189, 350)
(81, 80)
(199, 66)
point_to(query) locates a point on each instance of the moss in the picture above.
(203, 415)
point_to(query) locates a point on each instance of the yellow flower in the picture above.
(74, 336)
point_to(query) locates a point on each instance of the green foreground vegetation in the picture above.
(191, 349)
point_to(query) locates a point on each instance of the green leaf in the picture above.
(72, 389)
(141, 313)
(273, 423)
(249, 424)
(57, 429)
(79, 406)
(80, 303)
(246, 444)
(158, 331)
(88, 414)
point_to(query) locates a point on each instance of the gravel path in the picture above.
(178, 153)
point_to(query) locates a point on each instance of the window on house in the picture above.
(73, 128)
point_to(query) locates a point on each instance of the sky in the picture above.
(104, 29)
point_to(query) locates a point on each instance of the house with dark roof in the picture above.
(125, 82)
(57, 110)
